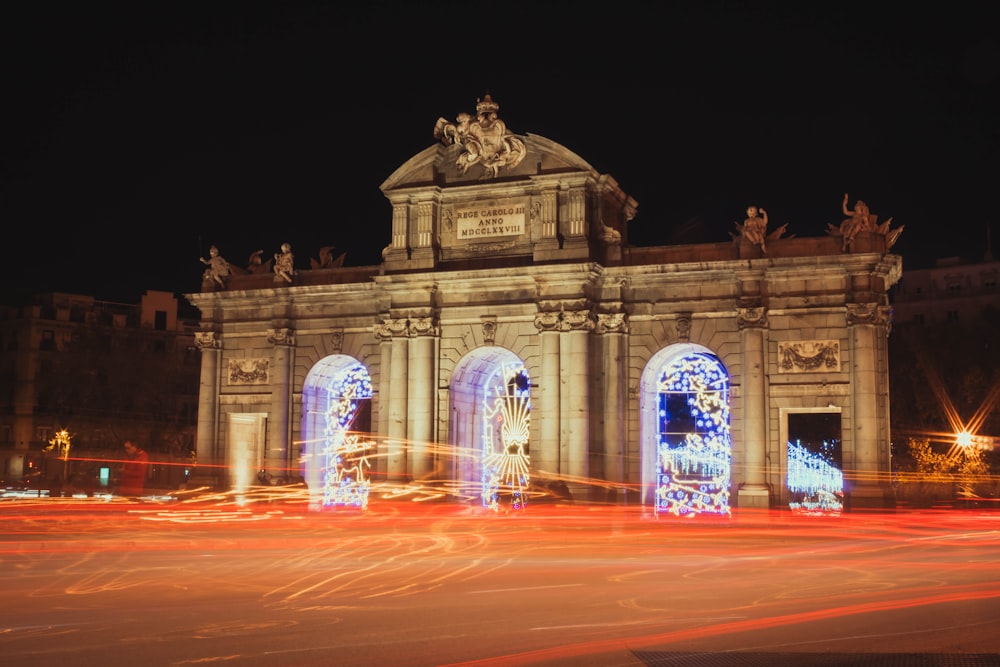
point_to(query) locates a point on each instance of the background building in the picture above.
(945, 363)
(104, 372)
(950, 291)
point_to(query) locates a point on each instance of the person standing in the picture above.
(134, 470)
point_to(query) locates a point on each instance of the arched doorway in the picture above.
(686, 443)
(336, 423)
(490, 418)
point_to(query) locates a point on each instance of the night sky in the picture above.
(136, 135)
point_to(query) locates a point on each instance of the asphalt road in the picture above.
(91, 582)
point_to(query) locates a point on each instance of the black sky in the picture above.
(136, 135)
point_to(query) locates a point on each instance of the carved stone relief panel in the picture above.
(249, 371)
(809, 356)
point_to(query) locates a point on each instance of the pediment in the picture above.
(442, 165)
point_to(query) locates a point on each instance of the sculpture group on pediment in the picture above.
(860, 219)
(218, 271)
(485, 139)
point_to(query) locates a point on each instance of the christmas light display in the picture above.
(60, 444)
(506, 418)
(344, 454)
(694, 448)
(818, 485)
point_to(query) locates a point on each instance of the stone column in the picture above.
(548, 209)
(754, 492)
(400, 228)
(613, 326)
(573, 220)
(575, 403)
(383, 334)
(398, 396)
(420, 397)
(576, 212)
(398, 250)
(207, 438)
(425, 225)
(545, 453)
(276, 460)
(865, 486)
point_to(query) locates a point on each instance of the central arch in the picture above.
(489, 426)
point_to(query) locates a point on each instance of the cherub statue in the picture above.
(859, 220)
(284, 263)
(452, 133)
(218, 270)
(754, 228)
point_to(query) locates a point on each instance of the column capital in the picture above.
(565, 320)
(868, 313)
(612, 323)
(405, 327)
(422, 326)
(281, 336)
(752, 317)
(208, 340)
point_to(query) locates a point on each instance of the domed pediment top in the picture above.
(436, 165)
(477, 149)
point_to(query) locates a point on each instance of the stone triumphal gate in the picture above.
(512, 341)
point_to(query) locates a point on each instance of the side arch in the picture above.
(686, 446)
(336, 447)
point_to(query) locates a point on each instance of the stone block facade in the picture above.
(518, 259)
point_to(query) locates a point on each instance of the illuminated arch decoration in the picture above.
(814, 479)
(337, 402)
(693, 443)
(506, 420)
(489, 426)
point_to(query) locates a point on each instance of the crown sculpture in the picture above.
(484, 138)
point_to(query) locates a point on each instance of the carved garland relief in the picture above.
(809, 356)
(249, 371)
